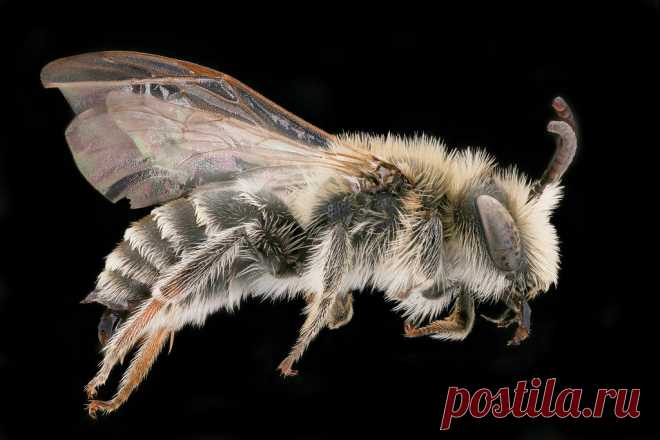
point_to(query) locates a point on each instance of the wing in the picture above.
(151, 128)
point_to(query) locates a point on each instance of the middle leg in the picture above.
(454, 327)
(333, 259)
(341, 311)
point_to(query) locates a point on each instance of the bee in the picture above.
(252, 201)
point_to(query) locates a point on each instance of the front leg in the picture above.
(517, 312)
(454, 327)
(333, 259)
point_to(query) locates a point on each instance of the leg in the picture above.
(454, 327)
(334, 257)
(517, 312)
(504, 319)
(317, 314)
(341, 312)
(121, 343)
(135, 373)
(207, 265)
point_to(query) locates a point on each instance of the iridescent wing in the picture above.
(151, 128)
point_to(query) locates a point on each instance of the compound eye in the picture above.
(500, 232)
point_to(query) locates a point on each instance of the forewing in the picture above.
(151, 128)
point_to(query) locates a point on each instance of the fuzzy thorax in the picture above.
(449, 179)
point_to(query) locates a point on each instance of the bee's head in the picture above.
(517, 240)
(509, 221)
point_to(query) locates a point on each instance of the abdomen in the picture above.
(271, 247)
(149, 248)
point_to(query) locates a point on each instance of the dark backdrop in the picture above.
(475, 77)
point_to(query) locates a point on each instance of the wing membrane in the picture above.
(151, 128)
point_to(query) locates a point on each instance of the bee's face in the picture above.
(500, 239)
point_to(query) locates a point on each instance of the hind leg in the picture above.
(121, 343)
(210, 264)
(136, 372)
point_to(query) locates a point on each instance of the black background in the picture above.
(475, 77)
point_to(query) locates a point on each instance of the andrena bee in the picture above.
(255, 202)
